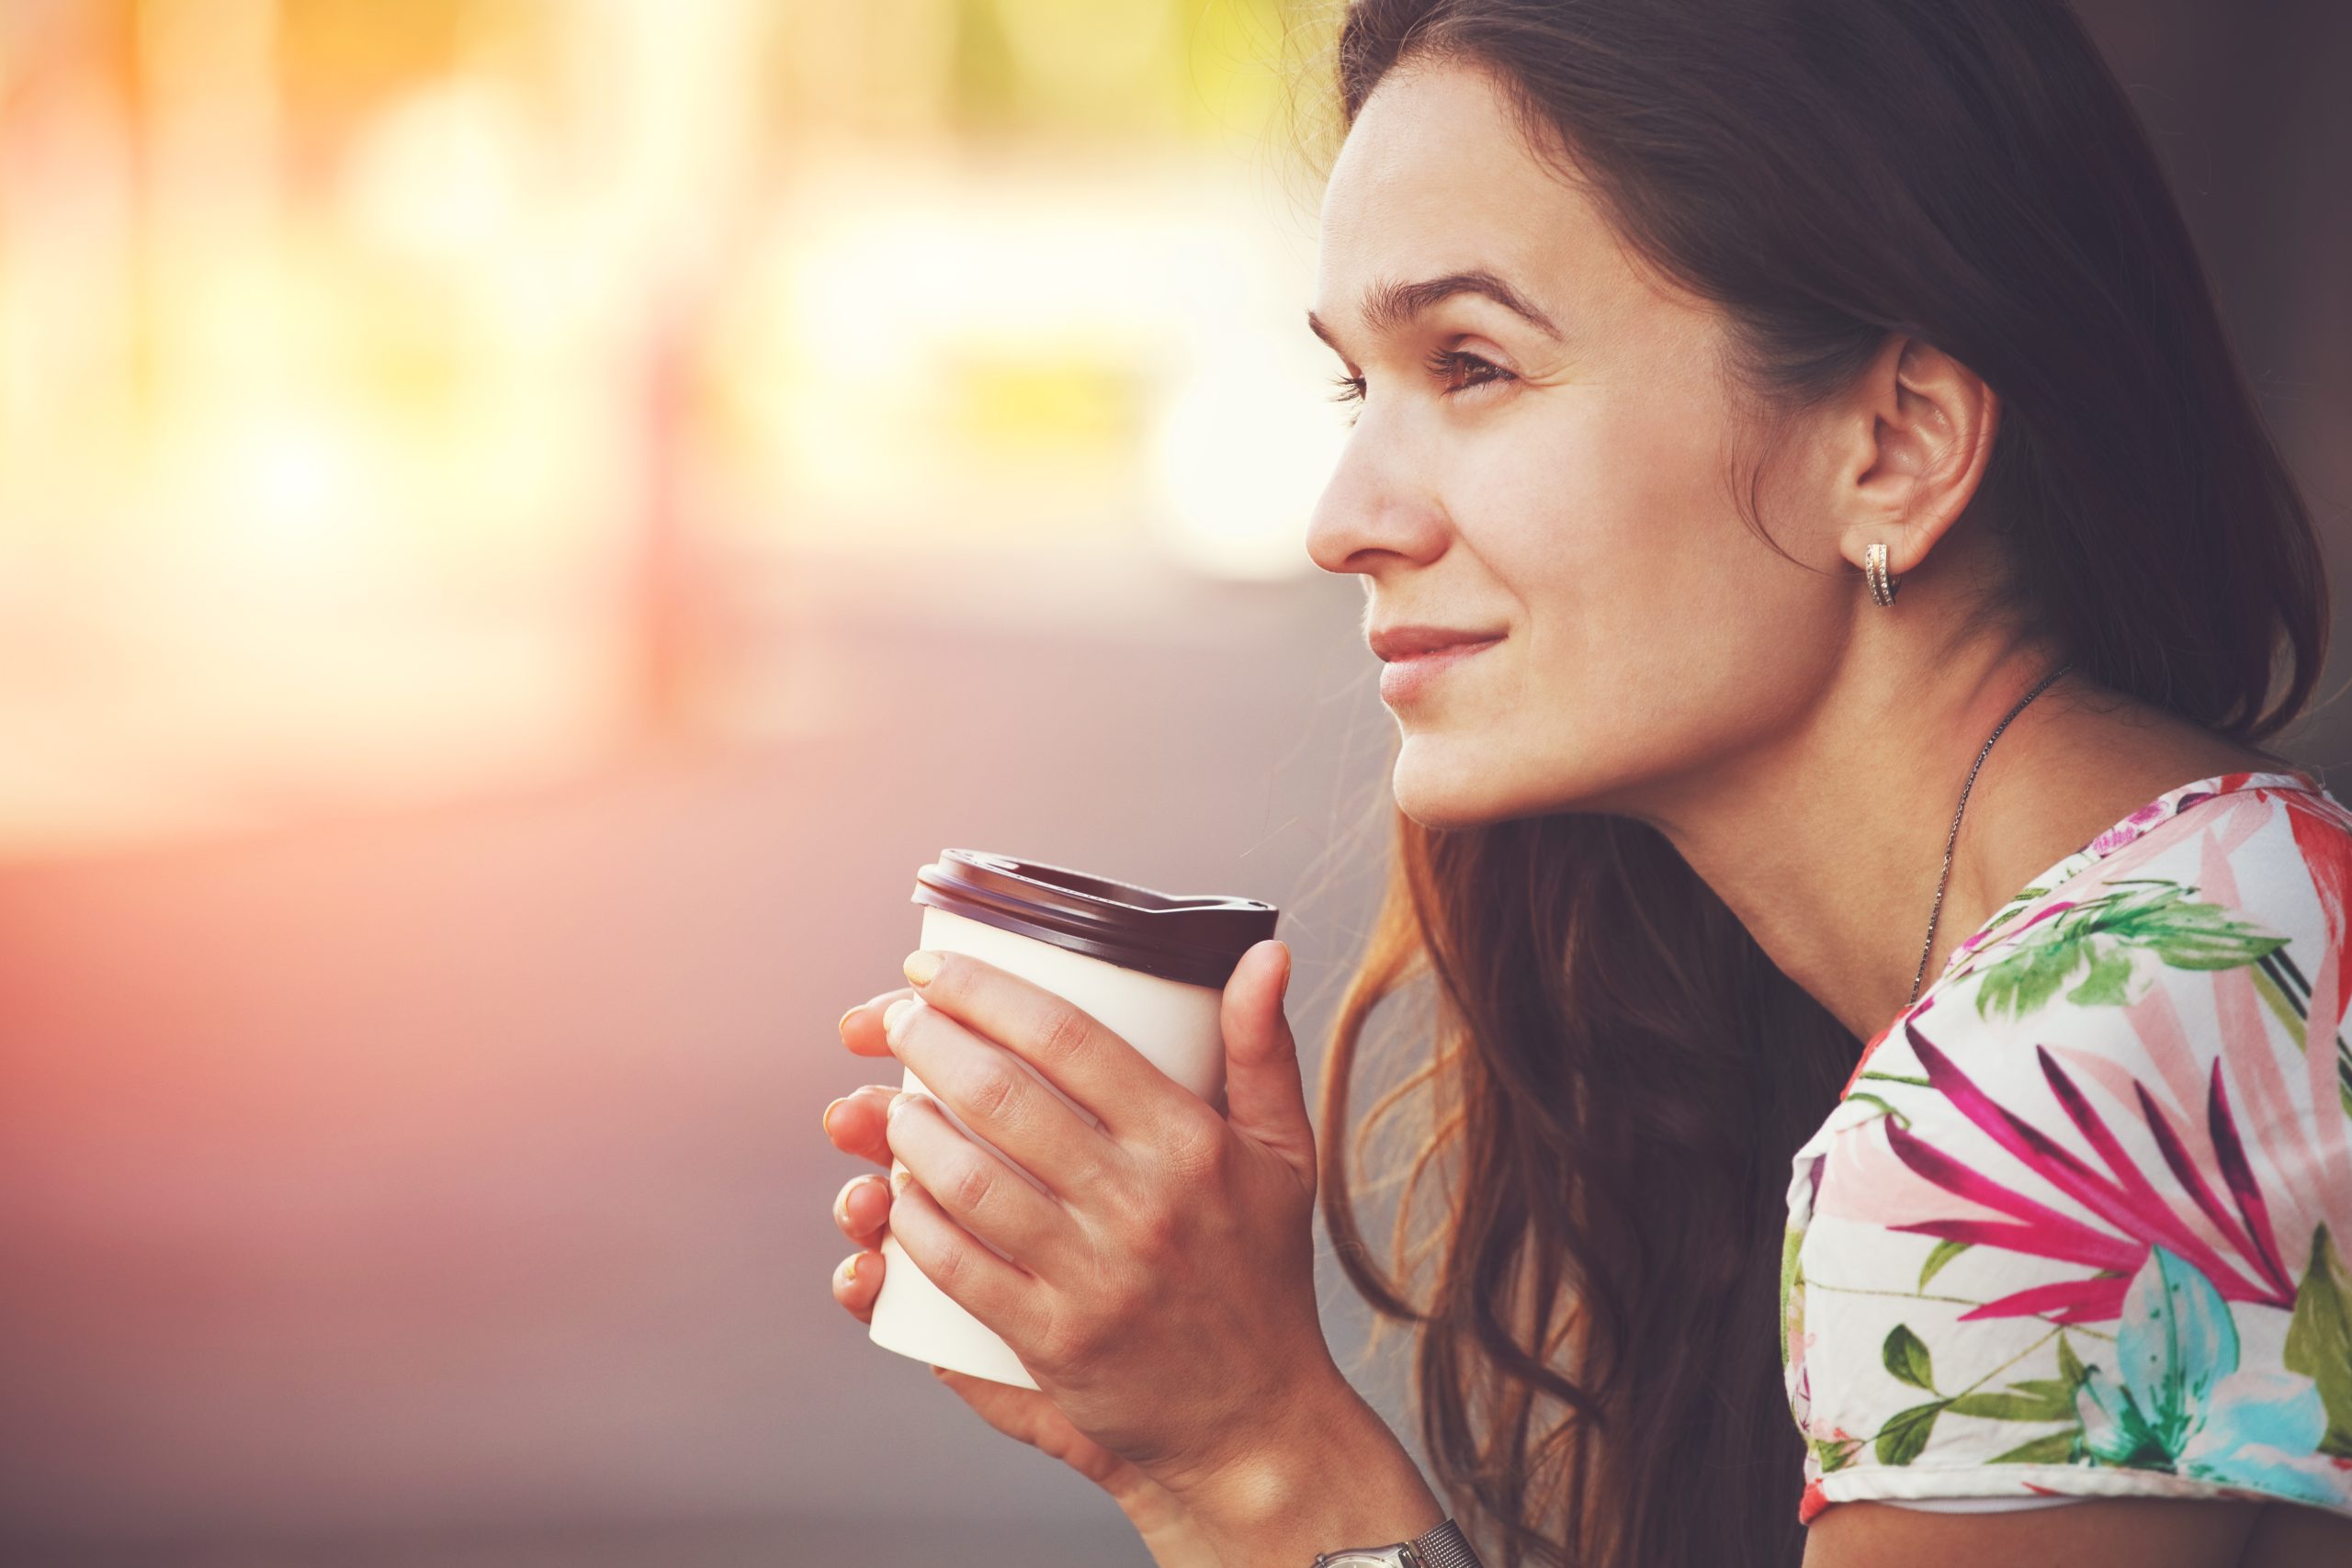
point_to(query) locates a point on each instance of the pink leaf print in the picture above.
(2070, 1300)
(2136, 1214)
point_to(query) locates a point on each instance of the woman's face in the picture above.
(1565, 493)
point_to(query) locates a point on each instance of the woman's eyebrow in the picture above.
(1390, 307)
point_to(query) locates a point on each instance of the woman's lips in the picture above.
(1402, 678)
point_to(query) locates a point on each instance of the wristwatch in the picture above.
(1440, 1548)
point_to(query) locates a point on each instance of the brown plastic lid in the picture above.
(1198, 940)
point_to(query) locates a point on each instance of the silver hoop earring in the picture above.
(1883, 583)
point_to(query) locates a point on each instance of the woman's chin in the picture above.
(1440, 790)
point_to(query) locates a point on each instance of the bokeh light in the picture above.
(367, 369)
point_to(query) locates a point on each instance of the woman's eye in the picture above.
(1446, 365)
(1450, 362)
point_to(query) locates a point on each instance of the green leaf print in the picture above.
(2058, 1448)
(1792, 1274)
(1905, 1436)
(2016, 1406)
(2195, 936)
(2098, 936)
(2014, 906)
(1906, 1357)
(2319, 1342)
(2070, 1366)
(1944, 1253)
(1884, 1109)
(2027, 979)
(2108, 983)
(2049, 1390)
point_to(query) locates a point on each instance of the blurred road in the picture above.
(398, 1188)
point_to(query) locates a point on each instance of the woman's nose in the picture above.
(1371, 512)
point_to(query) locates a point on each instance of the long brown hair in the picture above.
(1618, 1076)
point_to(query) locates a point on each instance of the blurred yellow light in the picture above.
(1241, 455)
(1069, 43)
(440, 174)
(291, 495)
(1043, 404)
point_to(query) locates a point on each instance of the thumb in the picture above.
(1265, 1091)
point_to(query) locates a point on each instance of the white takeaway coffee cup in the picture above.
(1151, 967)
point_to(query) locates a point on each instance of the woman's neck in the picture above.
(1829, 846)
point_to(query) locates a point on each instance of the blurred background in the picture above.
(522, 522)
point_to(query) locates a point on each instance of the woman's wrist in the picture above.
(1332, 1476)
(1175, 1538)
(1153, 1510)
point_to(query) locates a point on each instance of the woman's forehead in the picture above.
(1441, 136)
(1435, 178)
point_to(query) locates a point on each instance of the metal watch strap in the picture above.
(1445, 1547)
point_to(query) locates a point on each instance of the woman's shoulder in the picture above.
(2083, 1224)
(2164, 919)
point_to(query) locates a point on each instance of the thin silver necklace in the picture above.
(1934, 914)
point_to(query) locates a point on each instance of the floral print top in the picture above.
(2081, 1223)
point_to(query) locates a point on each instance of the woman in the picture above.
(1828, 569)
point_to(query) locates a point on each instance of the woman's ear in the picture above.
(1917, 438)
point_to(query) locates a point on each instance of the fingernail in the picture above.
(921, 965)
(848, 1271)
(828, 1116)
(894, 1022)
(843, 1027)
(898, 1180)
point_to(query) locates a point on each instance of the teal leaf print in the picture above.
(1944, 1253)
(2187, 1343)
(2177, 1401)
(1906, 1357)
(1905, 1436)
(2319, 1342)
(2098, 937)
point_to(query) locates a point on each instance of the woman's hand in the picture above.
(1167, 1526)
(854, 1125)
(1160, 1287)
